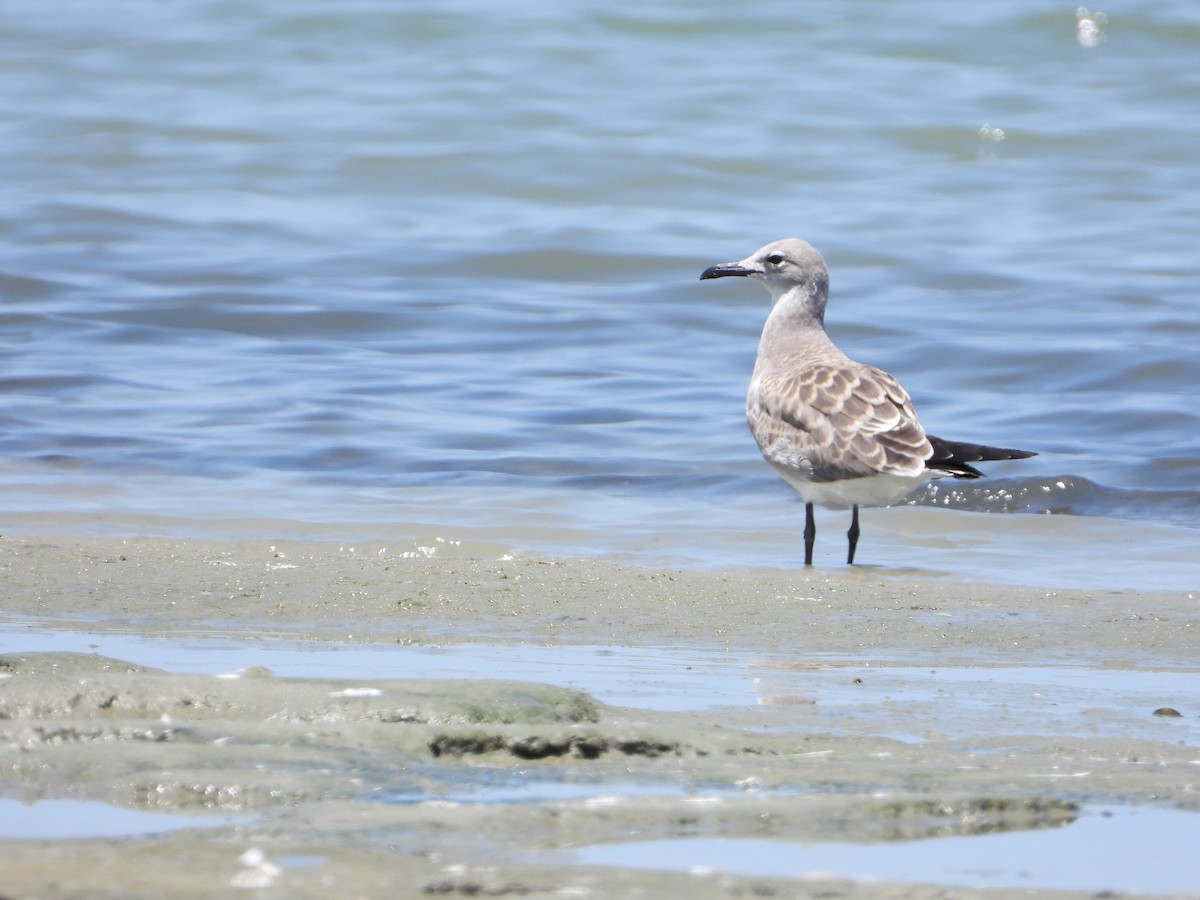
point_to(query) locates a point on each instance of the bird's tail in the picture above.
(955, 457)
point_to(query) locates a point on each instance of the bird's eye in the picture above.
(775, 259)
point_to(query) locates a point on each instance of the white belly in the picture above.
(870, 490)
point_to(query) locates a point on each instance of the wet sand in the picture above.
(422, 786)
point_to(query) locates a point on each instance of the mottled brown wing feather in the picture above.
(845, 421)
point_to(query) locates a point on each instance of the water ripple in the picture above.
(349, 260)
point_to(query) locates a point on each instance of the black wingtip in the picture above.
(956, 457)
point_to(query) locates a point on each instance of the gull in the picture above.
(842, 433)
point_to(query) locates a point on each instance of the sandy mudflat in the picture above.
(483, 786)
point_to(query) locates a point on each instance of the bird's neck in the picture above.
(801, 309)
(796, 325)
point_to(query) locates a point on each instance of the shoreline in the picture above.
(366, 592)
(420, 785)
(921, 544)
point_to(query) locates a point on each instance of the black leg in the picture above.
(810, 533)
(853, 535)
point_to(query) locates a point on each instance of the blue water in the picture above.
(1107, 850)
(433, 268)
(827, 695)
(43, 819)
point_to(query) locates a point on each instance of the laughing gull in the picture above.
(841, 433)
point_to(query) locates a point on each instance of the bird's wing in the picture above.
(839, 421)
(955, 457)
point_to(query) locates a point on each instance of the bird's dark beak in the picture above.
(724, 270)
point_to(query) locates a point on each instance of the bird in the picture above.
(842, 433)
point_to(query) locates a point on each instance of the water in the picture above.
(72, 819)
(1137, 850)
(639, 677)
(435, 267)
(1131, 848)
(822, 694)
